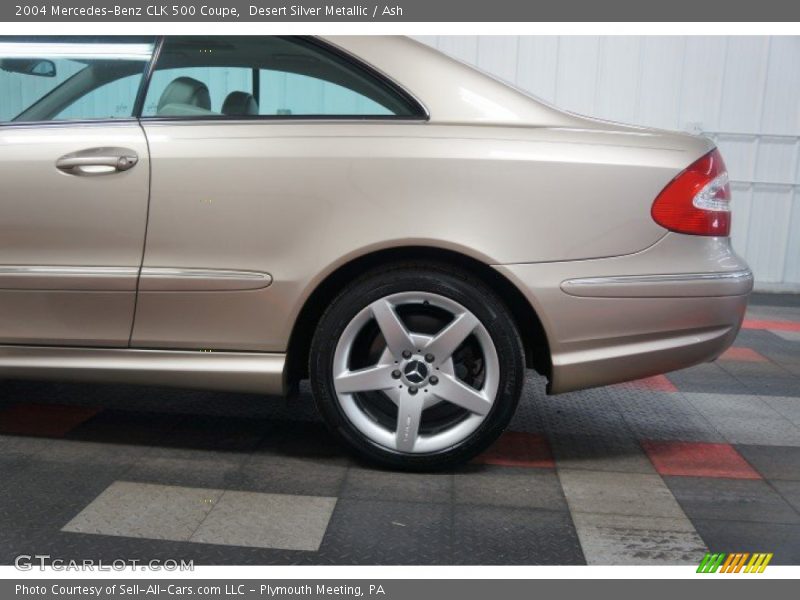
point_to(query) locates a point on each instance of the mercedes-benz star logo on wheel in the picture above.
(415, 372)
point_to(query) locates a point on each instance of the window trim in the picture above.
(69, 123)
(144, 86)
(421, 113)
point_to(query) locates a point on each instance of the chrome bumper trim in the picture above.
(677, 285)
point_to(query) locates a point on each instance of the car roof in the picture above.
(450, 90)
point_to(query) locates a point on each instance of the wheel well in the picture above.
(534, 339)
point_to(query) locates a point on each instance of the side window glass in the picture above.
(292, 94)
(270, 76)
(113, 100)
(181, 91)
(53, 79)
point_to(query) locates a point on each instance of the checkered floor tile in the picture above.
(656, 471)
(698, 459)
(518, 449)
(741, 353)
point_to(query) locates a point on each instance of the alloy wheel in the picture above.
(416, 372)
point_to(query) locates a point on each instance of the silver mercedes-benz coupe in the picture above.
(242, 213)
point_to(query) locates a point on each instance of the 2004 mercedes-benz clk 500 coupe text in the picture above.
(242, 213)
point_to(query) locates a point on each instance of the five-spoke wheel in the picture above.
(417, 371)
(411, 370)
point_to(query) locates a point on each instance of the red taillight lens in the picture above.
(697, 201)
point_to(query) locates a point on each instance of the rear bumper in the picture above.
(678, 303)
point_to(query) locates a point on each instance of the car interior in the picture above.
(188, 97)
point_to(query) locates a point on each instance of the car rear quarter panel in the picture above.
(614, 335)
(297, 200)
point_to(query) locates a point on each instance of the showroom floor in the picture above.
(655, 471)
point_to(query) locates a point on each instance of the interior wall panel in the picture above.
(616, 91)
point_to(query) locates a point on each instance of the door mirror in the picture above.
(26, 66)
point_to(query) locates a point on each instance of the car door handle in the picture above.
(98, 161)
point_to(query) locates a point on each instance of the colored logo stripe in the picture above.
(735, 562)
(711, 563)
(759, 561)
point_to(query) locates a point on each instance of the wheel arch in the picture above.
(529, 325)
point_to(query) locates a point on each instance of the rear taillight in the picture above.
(697, 201)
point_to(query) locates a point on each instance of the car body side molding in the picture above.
(58, 277)
(163, 279)
(153, 279)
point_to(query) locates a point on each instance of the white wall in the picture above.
(744, 92)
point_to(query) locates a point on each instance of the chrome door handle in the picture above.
(98, 161)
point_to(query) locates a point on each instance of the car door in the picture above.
(74, 168)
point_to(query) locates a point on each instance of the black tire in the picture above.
(445, 280)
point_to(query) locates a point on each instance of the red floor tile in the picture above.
(779, 325)
(698, 459)
(518, 449)
(46, 420)
(740, 353)
(657, 383)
